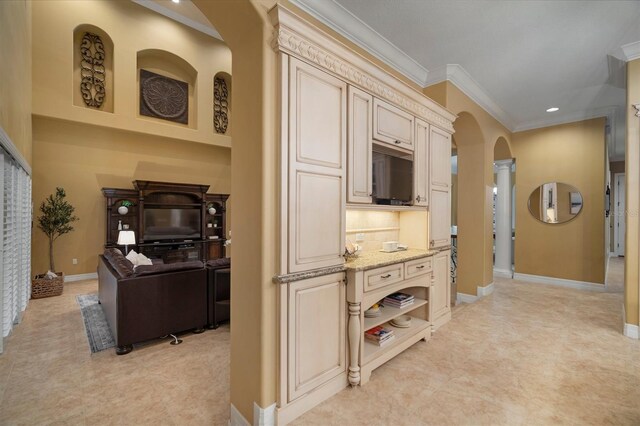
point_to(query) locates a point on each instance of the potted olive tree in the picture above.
(55, 220)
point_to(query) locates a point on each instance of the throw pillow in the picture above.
(133, 257)
(143, 260)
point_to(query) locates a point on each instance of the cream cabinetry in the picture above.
(441, 290)
(392, 125)
(317, 332)
(439, 188)
(421, 165)
(367, 287)
(317, 152)
(360, 129)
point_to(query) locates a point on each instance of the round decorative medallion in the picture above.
(164, 97)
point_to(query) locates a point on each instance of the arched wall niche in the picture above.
(222, 103)
(92, 68)
(173, 66)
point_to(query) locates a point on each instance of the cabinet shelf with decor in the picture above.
(170, 220)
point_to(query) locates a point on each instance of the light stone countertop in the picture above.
(376, 259)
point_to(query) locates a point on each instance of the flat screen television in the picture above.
(392, 178)
(163, 224)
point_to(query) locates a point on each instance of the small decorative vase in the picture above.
(212, 211)
(123, 210)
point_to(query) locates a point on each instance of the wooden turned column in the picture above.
(354, 343)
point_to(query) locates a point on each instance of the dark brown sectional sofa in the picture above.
(153, 300)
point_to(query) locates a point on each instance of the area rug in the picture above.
(95, 323)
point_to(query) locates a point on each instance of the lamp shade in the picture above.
(126, 238)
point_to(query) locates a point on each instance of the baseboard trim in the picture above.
(480, 293)
(81, 277)
(237, 419)
(632, 331)
(503, 273)
(264, 416)
(560, 282)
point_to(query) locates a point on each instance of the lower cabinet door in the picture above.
(441, 289)
(317, 335)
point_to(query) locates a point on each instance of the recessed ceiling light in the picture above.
(554, 109)
(176, 1)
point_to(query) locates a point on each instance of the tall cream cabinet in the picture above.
(317, 153)
(334, 104)
(359, 177)
(441, 290)
(439, 188)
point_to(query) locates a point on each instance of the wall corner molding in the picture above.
(237, 419)
(457, 75)
(632, 331)
(336, 17)
(264, 416)
(480, 293)
(631, 51)
(294, 36)
(485, 291)
(502, 273)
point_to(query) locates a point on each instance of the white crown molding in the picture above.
(158, 8)
(560, 282)
(295, 36)
(456, 74)
(608, 112)
(351, 27)
(631, 51)
(8, 145)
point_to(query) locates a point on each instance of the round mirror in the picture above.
(555, 202)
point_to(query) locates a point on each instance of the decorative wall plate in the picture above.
(164, 97)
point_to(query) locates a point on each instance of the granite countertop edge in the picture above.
(297, 276)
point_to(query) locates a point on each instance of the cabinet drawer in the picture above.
(392, 125)
(380, 277)
(417, 267)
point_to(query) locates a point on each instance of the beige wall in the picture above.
(83, 158)
(254, 166)
(476, 133)
(632, 160)
(15, 74)
(575, 154)
(132, 29)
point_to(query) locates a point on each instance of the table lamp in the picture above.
(125, 238)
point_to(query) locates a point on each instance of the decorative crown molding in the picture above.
(631, 51)
(336, 17)
(294, 36)
(456, 74)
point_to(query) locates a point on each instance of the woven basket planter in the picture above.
(43, 287)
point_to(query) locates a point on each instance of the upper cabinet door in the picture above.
(317, 177)
(359, 177)
(421, 165)
(392, 125)
(440, 153)
(317, 116)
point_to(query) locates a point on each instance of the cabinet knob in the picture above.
(385, 276)
(398, 142)
(432, 242)
(418, 198)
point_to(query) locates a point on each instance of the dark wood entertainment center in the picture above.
(195, 235)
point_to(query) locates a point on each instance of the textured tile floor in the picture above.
(49, 376)
(528, 354)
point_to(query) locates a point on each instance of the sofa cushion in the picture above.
(118, 262)
(224, 262)
(143, 270)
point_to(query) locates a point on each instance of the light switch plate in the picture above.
(75, 261)
(360, 236)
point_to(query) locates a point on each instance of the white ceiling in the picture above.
(514, 58)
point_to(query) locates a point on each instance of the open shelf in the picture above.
(390, 312)
(372, 350)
